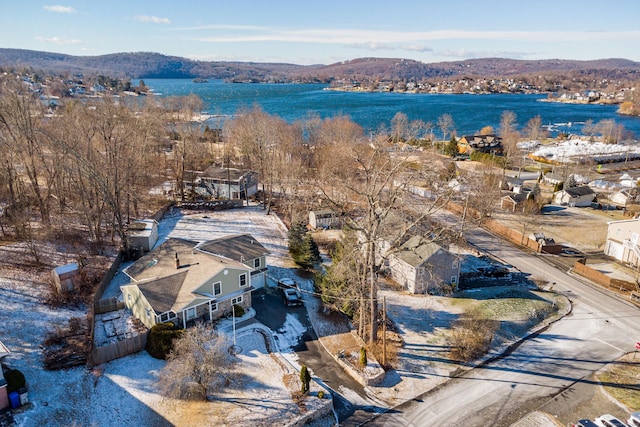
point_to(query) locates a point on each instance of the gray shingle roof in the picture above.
(238, 247)
(417, 250)
(162, 293)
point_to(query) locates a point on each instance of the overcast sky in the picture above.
(323, 32)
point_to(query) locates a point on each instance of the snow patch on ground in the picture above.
(290, 334)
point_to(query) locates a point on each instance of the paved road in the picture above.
(600, 329)
(350, 400)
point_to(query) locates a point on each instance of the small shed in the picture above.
(65, 277)
(143, 233)
(323, 219)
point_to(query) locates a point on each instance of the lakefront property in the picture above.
(212, 263)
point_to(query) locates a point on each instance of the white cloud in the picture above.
(471, 54)
(379, 39)
(59, 9)
(58, 40)
(154, 19)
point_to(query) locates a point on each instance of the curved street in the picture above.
(600, 329)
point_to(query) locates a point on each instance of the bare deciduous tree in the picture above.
(199, 364)
(445, 123)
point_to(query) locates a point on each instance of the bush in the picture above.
(238, 311)
(363, 356)
(160, 339)
(15, 379)
(321, 394)
(471, 336)
(305, 379)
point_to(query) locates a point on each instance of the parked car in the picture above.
(291, 294)
(634, 419)
(585, 423)
(608, 420)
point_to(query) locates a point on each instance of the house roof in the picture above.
(224, 174)
(553, 177)
(583, 190)
(481, 139)
(238, 247)
(142, 227)
(67, 268)
(417, 250)
(162, 293)
(516, 197)
(324, 213)
(174, 270)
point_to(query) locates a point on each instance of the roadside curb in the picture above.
(463, 369)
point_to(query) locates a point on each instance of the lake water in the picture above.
(373, 111)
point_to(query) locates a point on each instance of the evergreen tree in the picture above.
(302, 247)
(451, 149)
(305, 379)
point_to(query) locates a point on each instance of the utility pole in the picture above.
(384, 331)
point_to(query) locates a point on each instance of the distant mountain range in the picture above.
(155, 65)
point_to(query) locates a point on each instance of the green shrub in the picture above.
(321, 394)
(363, 356)
(160, 339)
(238, 311)
(15, 379)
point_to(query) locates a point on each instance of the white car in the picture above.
(608, 420)
(634, 419)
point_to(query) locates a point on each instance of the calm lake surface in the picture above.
(374, 111)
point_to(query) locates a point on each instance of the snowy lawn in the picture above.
(122, 392)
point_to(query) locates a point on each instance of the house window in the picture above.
(243, 280)
(236, 300)
(191, 313)
(454, 264)
(453, 279)
(164, 317)
(148, 313)
(217, 288)
(256, 263)
(129, 297)
(214, 306)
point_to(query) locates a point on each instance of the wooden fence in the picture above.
(602, 279)
(119, 349)
(106, 305)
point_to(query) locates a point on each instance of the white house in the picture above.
(622, 241)
(575, 196)
(324, 218)
(229, 183)
(421, 265)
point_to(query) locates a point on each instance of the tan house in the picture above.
(490, 144)
(421, 264)
(182, 283)
(622, 242)
(514, 202)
